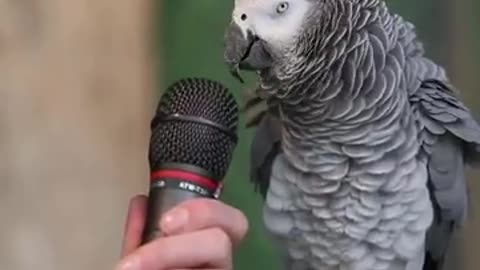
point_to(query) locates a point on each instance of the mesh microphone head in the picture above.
(184, 131)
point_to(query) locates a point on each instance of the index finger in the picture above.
(199, 214)
(182, 252)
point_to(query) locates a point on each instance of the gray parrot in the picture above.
(361, 142)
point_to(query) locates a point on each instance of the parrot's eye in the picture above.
(282, 7)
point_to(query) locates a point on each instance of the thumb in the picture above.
(134, 224)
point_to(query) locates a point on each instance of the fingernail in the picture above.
(129, 264)
(174, 220)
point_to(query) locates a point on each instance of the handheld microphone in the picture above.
(194, 134)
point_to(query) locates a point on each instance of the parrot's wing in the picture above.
(451, 139)
(266, 140)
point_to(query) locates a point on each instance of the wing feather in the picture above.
(451, 139)
(266, 140)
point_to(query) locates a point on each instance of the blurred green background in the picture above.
(191, 44)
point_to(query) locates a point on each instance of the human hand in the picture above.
(198, 234)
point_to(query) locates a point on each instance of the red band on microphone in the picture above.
(195, 178)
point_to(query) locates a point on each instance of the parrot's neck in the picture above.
(358, 96)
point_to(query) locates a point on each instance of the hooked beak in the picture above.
(248, 53)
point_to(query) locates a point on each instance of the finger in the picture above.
(200, 214)
(183, 252)
(134, 224)
(200, 269)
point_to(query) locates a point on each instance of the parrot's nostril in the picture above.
(243, 17)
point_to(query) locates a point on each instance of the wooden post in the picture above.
(75, 77)
(465, 67)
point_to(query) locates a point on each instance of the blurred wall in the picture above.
(464, 47)
(74, 85)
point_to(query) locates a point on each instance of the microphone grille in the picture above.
(174, 140)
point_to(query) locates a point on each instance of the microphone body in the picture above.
(191, 146)
(171, 185)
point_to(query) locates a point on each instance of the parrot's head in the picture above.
(265, 33)
(292, 41)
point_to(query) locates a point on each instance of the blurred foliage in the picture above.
(192, 46)
(421, 13)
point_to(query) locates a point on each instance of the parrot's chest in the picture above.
(347, 215)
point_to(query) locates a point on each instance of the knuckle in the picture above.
(239, 224)
(207, 213)
(201, 211)
(243, 225)
(222, 241)
(204, 210)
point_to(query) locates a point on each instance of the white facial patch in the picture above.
(277, 22)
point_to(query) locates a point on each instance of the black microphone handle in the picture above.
(161, 200)
(167, 192)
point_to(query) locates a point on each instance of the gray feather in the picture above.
(264, 148)
(444, 117)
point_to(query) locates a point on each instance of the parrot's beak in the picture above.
(248, 53)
